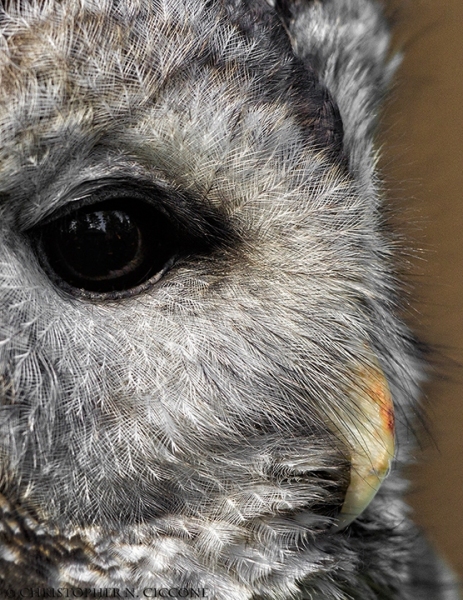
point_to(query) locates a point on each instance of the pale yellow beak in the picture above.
(369, 432)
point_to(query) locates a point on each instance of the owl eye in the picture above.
(110, 246)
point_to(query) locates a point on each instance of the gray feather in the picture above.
(183, 434)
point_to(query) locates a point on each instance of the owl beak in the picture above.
(370, 435)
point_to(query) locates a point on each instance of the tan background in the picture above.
(422, 138)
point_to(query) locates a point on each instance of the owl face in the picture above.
(199, 348)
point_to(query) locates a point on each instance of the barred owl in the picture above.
(202, 355)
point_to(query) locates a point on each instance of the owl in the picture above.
(206, 387)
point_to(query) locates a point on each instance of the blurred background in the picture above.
(422, 163)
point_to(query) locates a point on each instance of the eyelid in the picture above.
(100, 193)
(200, 225)
(197, 222)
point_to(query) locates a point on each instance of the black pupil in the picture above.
(110, 246)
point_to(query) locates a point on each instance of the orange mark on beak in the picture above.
(370, 435)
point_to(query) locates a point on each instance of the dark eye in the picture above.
(110, 246)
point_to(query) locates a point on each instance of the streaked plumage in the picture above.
(193, 432)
